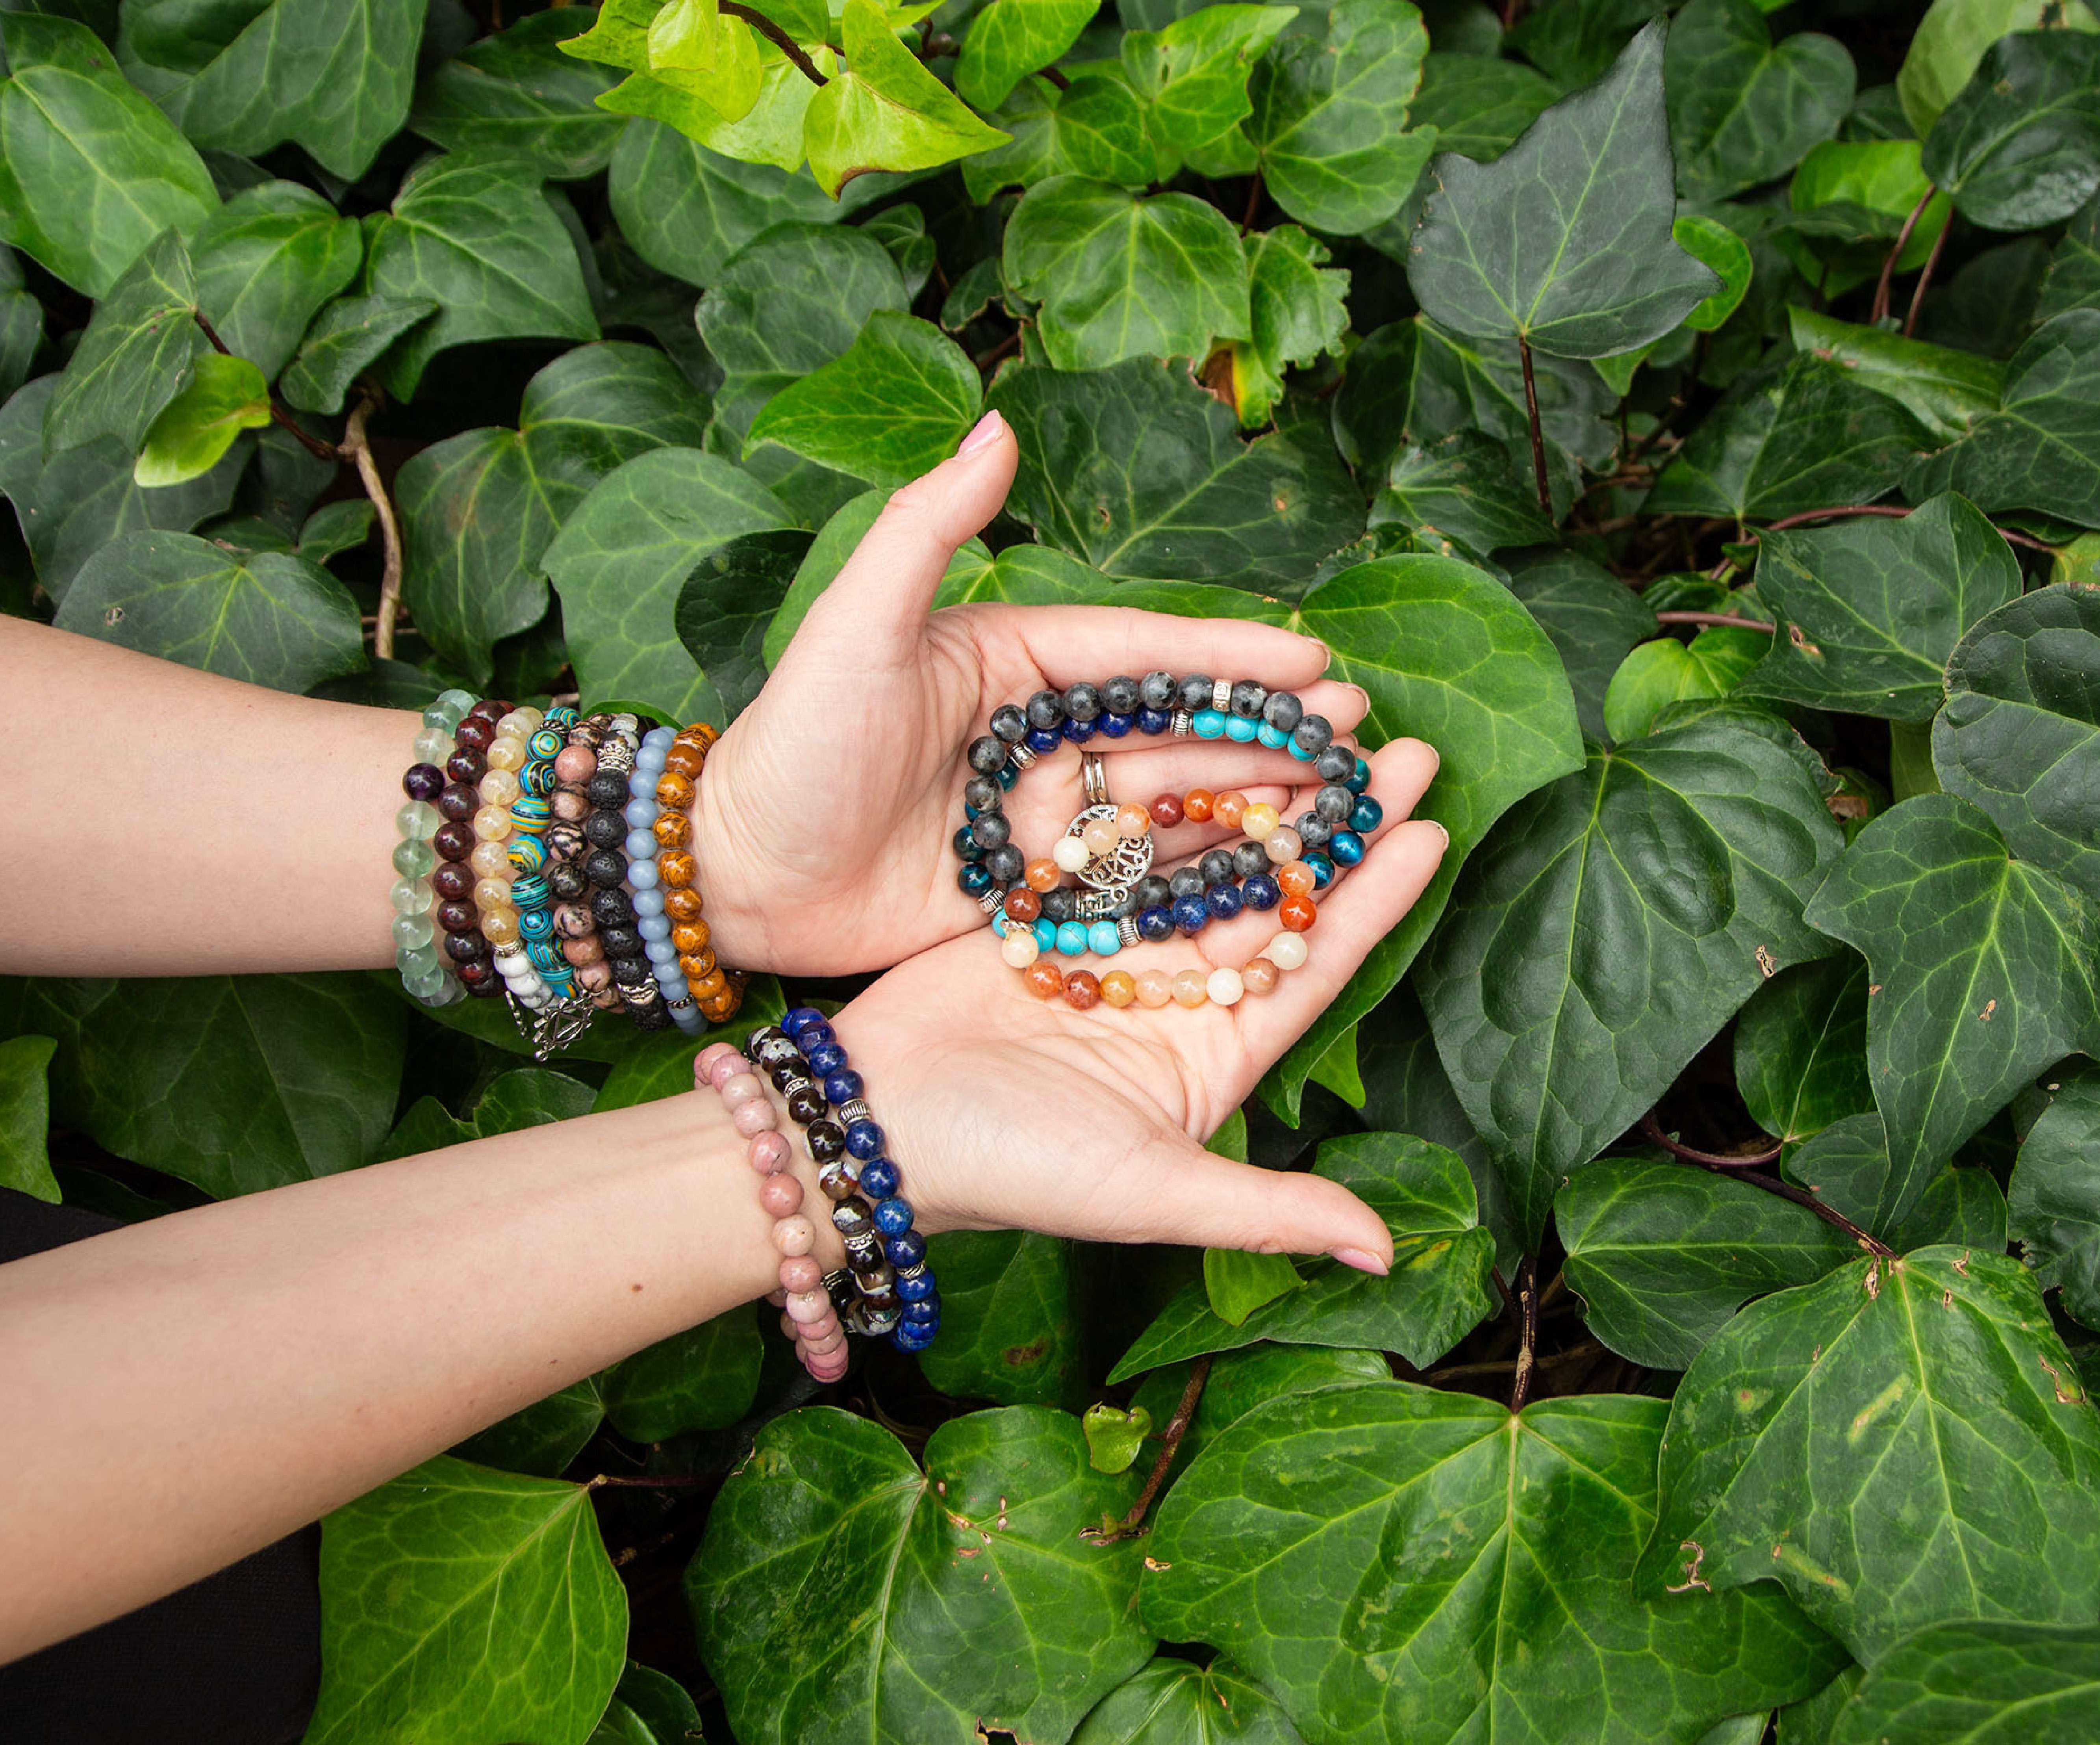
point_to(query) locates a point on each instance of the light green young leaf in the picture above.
(1010, 39)
(1715, 246)
(225, 395)
(1297, 310)
(1114, 1436)
(25, 1163)
(1193, 76)
(1094, 128)
(1667, 671)
(135, 356)
(884, 111)
(1236, 1282)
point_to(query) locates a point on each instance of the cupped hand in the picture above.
(824, 815)
(1004, 1111)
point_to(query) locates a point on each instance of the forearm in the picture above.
(169, 822)
(179, 1393)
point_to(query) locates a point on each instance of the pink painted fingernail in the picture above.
(1362, 1259)
(982, 436)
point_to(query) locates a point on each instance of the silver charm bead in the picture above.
(1221, 694)
(993, 900)
(1127, 930)
(798, 1083)
(1185, 724)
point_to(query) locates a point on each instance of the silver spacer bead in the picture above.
(683, 1002)
(1020, 757)
(1185, 724)
(509, 949)
(853, 1109)
(1221, 694)
(993, 900)
(797, 1084)
(1127, 930)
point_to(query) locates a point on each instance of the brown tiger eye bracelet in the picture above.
(718, 992)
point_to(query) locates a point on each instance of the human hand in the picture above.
(824, 813)
(1006, 1111)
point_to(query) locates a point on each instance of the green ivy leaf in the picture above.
(893, 406)
(135, 356)
(2016, 737)
(1983, 970)
(1298, 309)
(1908, 1434)
(2073, 281)
(21, 326)
(1716, 247)
(1801, 1048)
(478, 509)
(1576, 41)
(703, 1379)
(1565, 241)
(1479, 105)
(1487, 1555)
(543, 1437)
(1139, 472)
(1436, 1293)
(1945, 390)
(1592, 619)
(1662, 883)
(1667, 671)
(618, 563)
(1850, 197)
(1192, 76)
(1979, 1680)
(516, 93)
(727, 602)
(459, 1603)
(884, 111)
(25, 1165)
(768, 132)
(1869, 610)
(1010, 39)
(1952, 39)
(2054, 1201)
(1013, 1310)
(1114, 1436)
(1742, 110)
(478, 236)
(1174, 1703)
(1122, 277)
(1462, 489)
(1236, 1283)
(225, 396)
(1094, 127)
(1662, 1255)
(1846, 1164)
(959, 1597)
(265, 262)
(344, 340)
(90, 172)
(2020, 146)
(268, 618)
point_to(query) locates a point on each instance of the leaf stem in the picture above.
(1538, 434)
(1055, 77)
(1177, 1426)
(320, 451)
(778, 37)
(1713, 617)
(1879, 311)
(358, 450)
(1527, 1323)
(1713, 1159)
(1893, 512)
(1254, 190)
(1924, 278)
(1744, 1169)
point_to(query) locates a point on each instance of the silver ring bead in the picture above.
(1020, 757)
(1185, 724)
(1094, 774)
(1221, 694)
(993, 900)
(853, 1109)
(1127, 930)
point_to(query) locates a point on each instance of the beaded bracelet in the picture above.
(718, 992)
(652, 827)
(426, 971)
(470, 858)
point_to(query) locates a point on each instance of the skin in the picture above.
(178, 1393)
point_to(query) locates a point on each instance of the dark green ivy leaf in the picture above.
(1610, 924)
(1175, 1702)
(1093, 127)
(265, 262)
(1298, 309)
(1564, 239)
(1478, 104)
(1846, 1166)
(703, 1379)
(1947, 391)
(725, 605)
(25, 1165)
(2073, 281)
(1461, 490)
(1395, 1562)
(1575, 40)
(1801, 1048)
(1904, 1441)
(345, 339)
(516, 93)
(135, 355)
(1983, 970)
(1742, 110)
(2054, 1202)
(1592, 619)
(1013, 1301)
(2020, 146)
(1980, 1681)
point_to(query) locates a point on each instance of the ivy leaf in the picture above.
(1329, 115)
(1945, 390)
(1191, 77)
(1174, 1703)
(1297, 310)
(961, 1596)
(478, 509)
(1478, 105)
(1847, 1165)
(225, 396)
(1803, 436)
(72, 506)
(1488, 1557)
(1715, 246)
(2020, 146)
(884, 111)
(1236, 1282)
(2054, 1201)
(1094, 127)
(703, 1379)
(1016, 1305)
(1139, 472)
(1953, 1454)
(893, 406)
(725, 605)
(1952, 39)
(1461, 490)
(1975, 1680)
(2017, 737)
(1983, 970)
(1010, 39)
(345, 339)
(1849, 198)
(1564, 241)
(1801, 1048)
(265, 262)
(267, 619)
(516, 93)
(25, 1165)
(90, 172)
(1662, 883)
(1662, 1255)
(1436, 1293)
(1120, 275)
(1575, 40)
(1445, 654)
(478, 235)
(334, 76)
(1592, 619)
(2072, 280)
(621, 558)
(456, 1601)
(21, 327)
(1667, 671)
(1742, 110)
(135, 356)
(1869, 610)
(768, 130)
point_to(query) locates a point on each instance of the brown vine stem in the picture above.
(1255, 190)
(1538, 434)
(1925, 277)
(1879, 311)
(321, 451)
(1713, 1159)
(666, 1481)
(358, 450)
(1527, 1322)
(1713, 617)
(1184, 1414)
(1055, 77)
(1744, 1169)
(778, 37)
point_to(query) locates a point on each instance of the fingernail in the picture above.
(1326, 654)
(1441, 832)
(1362, 1259)
(985, 433)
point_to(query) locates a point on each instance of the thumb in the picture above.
(882, 594)
(1184, 1193)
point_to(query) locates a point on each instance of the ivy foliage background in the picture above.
(1688, 418)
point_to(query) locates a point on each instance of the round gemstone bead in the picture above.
(972, 880)
(1044, 979)
(1297, 914)
(1283, 844)
(1103, 939)
(1119, 988)
(1323, 869)
(1274, 738)
(434, 745)
(1100, 837)
(1259, 976)
(1345, 848)
(1225, 986)
(1041, 876)
(1261, 892)
(1023, 904)
(411, 896)
(1258, 820)
(1072, 938)
(1071, 854)
(1191, 913)
(1115, 726)
(1229, 808)
(1191, 988)
(1166, 811)
(1043, 741)
(414, 859)
(1367, 815)
(1296, 879)
(423, 781)
(864, 1140)
(1154, 721)
(1224, 901)
(878, 1179)
(1197, 805)
(1155, 924)
(1287, 951)
(892, 1218)
(1082, 993)
(1208, 724)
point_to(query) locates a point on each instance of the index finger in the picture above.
(1071, 643)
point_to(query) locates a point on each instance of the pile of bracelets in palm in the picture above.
(1119, 901)
(544, 858)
